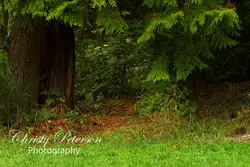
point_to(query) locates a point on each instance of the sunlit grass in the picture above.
(136, 154)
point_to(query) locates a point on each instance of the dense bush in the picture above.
(163, 96)
(114, 69)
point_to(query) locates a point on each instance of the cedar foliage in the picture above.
(71, 12)
(188, 37)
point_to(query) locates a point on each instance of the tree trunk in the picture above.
(27, 47)
(43, 57)
(59, 62)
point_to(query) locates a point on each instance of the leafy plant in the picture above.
(162, 96)
(116, 68)
(52, 96)
(70, 115)
(45, 115)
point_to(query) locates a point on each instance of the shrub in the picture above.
(163, 96)
(114, 69)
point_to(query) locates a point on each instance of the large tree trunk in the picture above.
(43, 57)
(59, 62)
(27, 47)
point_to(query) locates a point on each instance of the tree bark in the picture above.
(27, 47)
(59, 62)
(42, 56)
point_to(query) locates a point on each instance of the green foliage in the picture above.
(159, 71)
(181, 42)
(70, 12)
(13, 100)
(191, 36)
(71, 117)
(52, 96)
(43, 115)
(160, 3)
(4, 66)
(87, 13)
(164, 96)
(232, 65)
(112, 23)
(103, 3)
(114, 69)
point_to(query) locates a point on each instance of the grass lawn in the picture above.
(136, 154)
(184, 144)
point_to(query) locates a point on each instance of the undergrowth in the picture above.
(13, 101)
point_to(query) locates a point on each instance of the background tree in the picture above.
(53, 57)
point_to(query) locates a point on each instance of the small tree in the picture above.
(181, 36)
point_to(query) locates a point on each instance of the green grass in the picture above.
(136, 154)
(184, 143)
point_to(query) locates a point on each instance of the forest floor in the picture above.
(218, 136)
(228, 102)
